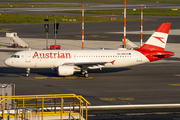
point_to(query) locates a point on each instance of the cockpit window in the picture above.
(15, 56)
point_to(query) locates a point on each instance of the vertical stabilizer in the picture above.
(158, 39)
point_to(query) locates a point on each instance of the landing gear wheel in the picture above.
(27, 72)
(86, 75)
(27, 75)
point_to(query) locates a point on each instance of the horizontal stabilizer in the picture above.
(162, 55)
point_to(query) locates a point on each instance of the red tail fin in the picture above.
(158, 39)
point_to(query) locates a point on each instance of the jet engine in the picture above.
(65, 70)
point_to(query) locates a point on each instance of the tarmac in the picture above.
(67, 44)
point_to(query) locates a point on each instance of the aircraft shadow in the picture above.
(108, 70)
(49, 72)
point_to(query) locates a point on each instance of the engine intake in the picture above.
(65, 70)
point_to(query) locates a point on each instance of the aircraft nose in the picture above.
(7, 62)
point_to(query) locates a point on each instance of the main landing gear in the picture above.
(27, 72)
(85, 74)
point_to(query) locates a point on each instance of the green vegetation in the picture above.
(16, 18)
(37, 5)
(154, 12)
(27, 19)
(112, 1)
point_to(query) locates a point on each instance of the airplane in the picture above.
(67, 62)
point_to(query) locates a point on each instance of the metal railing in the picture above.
(42, 106)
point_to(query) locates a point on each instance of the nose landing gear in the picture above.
(27, 72)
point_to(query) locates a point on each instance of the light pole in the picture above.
(46, 26)
(56, 26)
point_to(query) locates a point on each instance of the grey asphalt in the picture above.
(151, 83)
(93, 31)
(90, 6)
(145, 83)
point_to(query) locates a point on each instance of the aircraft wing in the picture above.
(86, 63)
(89, 64)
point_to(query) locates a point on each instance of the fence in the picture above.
(43, 107)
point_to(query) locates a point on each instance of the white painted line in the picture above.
(171, 32)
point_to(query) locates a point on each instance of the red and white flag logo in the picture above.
(159, 38)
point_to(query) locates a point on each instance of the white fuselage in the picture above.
(54, 58)
(66, 62)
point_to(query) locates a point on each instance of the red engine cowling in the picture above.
(65, 70)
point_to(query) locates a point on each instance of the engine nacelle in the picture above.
(65, 70)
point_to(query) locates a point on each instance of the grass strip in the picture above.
(153, 12)
(29, 19)
(112, 1)
(37, 5)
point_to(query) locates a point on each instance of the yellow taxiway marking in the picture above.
(70, 77)
(177, 74)
(108, 99)
(111, 99)
(94, 36)
(41, 77)
(174, 84)
(174, 9)
(86, 78)
(5, 30)
(56, 77)
(126, 98)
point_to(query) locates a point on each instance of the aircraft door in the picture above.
(139, 57)
(28, 57)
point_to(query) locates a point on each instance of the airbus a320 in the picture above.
(67, 62)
